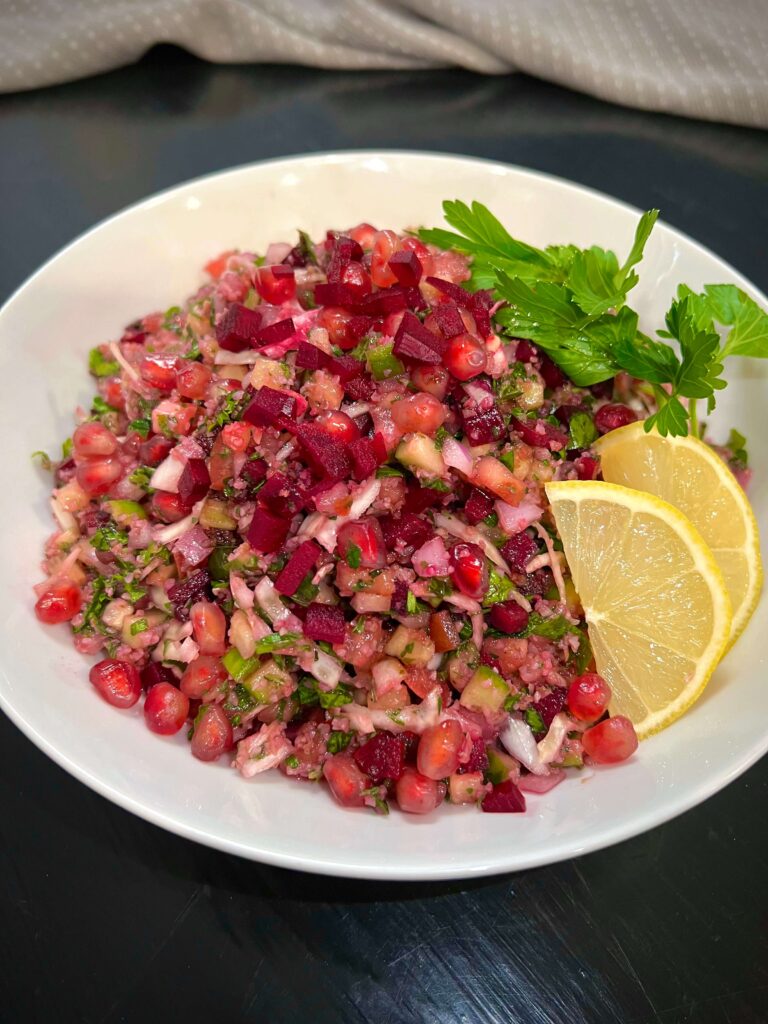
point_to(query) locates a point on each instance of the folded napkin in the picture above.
(701, 58)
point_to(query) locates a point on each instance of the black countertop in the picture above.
(106, 919)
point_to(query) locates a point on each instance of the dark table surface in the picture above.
(104, 918)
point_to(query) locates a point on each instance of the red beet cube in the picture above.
(363, 455)
(238, 327)
(360, 388)
(345, 367)
(478, 506)
(414, 341)
(408, 529)
(551, 372)
(508, 617)
(303, 559)
(254, 470)
(381, 757)
(328, 456)
(271, 408)
(407, 268)
(484, 427)
(459, 295)
(193, 588)
(359, 326)
(194, 481)
(540, 434)
(380, 447)
(335, 294)
(281, 496)
(478, 758)
(525, 352)
(519, 550)
(310, 357)
(344, 251)
(267, 531)
(504, 798)
(154, 672)
(274, 333)
(391, 300)
(551, 705)
(325, 622)
(448, 319)
(418, 498)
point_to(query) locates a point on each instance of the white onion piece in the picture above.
(479, 394)
(241, 592)
(366, 603)
(513, 519)
(518, 739)
(167, 475)
(263, 750)
(165, 534)
(325, 668)
(269, 601)
(413, 718)
(457, 456)
(387, 674)
(431, 559)
(248, 355)
(467, 604)
(472, 536)
(114, 348)
(541, 783)
(188, 650)
(554, 561)
(276, 253)
(65, 519)
(550, 746)
(324, 530)
(356, 409)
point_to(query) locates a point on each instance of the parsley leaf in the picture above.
(338, 741)
(534, 720)
(100, 366)
(738, 446)
(729, 306)
(582, 430)
(141, 477)
(499, 588)
(106, 536)
(353, 556)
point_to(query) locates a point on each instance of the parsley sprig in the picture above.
(572, 303)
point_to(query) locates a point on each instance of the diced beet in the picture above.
(325, 622)
(612, 416)
(486, 658)
(271, 408)
(551, 705)
(335, 294)
(448, 319)
(535, 584)
(358, 326)
(408, 529)
(363, 455)
(274, 333)
(360, 388)
(565, 413)
(525, 351)
(418, 498)
(400, 597)
(411, 741)
(587, 467)
(484, 427)
(327, 455)
(267, 531)
(310, 357)
(303, 559)
(478, 758)
(194, 481)
(382, 757)
(364, 423)
(254, 470)
(344, 250)
(391, 300)
(459, 295)
(508, 617)
(519, 550)
(238, 327)
(345, 367)
(281, 496)
(154, 672)
(603, 389)
(540, 434)
(504, 798)
(406, 266)
(414, 341)
(193, 588)
(478, 506)
(551, 372)
(380, 447)
(482, 302)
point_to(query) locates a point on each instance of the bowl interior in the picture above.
(150, 257)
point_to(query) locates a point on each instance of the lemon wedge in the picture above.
(654, 598)
(689, 475)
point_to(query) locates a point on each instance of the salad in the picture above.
(304, 520)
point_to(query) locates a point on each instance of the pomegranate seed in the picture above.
(432, 379)
(504, 798)
(209, 625)
(382, 757)
(337, 322)
(464, 357)
(611, 417)
(154, 450)
(118, 682)
(276, 285)
(93, 440)
(438, 753)
(192, 380)
(364, 234)
(588, 697)
(60, 602)
(97, 476)
(610, 741)
(417, 794)
(169, 507)
(392, 322)
(165, 709)
(366, 536)
(113, 394)
(470, 570)
(354, 277)
(478, 757)
(237, 436)
(551, 372)
(587, 467)
(212, 735)
(345, 780)
(384, 247)
(338, 425)
(159, 371)
(420, 412)
(202, 675)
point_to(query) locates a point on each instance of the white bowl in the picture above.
(150, 257)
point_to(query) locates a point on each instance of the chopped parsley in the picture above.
(338, 741)
(385, 471)
(107, 535)
(141, 477)
(139, 626)
(534, 720)
(499, 588)
(353, 556)
(141, 426)
(100, 366)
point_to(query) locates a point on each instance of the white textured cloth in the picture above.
(702, 58)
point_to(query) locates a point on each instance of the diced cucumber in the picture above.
(485, 691)
(420, 452)
(122, 511)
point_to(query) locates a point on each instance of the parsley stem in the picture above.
(693, 416)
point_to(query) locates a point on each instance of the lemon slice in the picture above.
(655, 601)
(689, 475)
